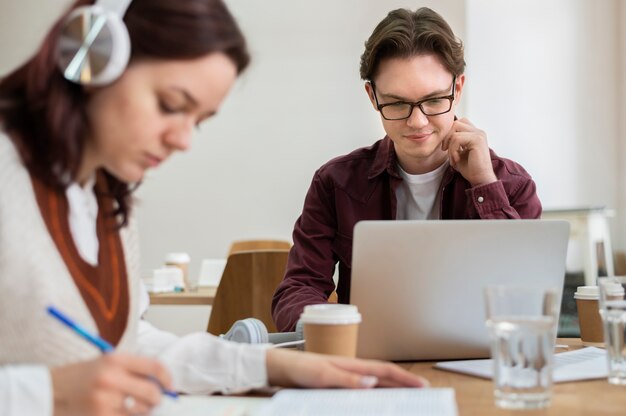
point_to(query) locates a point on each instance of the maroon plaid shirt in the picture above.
(361, 186)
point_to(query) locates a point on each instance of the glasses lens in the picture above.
(436, 106)
(396, 111)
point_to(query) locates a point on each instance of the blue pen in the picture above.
(104, 346)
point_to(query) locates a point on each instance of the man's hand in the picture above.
(469, 153)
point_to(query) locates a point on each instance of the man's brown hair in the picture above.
(404, 33)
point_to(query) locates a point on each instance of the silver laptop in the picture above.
(419, 284)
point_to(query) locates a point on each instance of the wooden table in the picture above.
(204, 296)
(474, 395)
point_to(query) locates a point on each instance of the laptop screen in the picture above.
(419, 284)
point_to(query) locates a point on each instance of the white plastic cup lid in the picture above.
(587, 293)
(614, 289)
(330, 313)
(177, 258)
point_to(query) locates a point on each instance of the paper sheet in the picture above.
(583, 364)
(375, 402)
(210, 406)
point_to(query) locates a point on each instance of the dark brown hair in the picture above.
(404, 33)
(45, 114)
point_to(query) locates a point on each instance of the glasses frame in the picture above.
(414, 104)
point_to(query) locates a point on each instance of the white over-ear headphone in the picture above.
(253, 331)
(94, 46)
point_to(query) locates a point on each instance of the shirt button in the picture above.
(480, 199)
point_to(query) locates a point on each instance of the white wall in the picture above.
(300, 103)
(544, 85)
(543, 81)
(621, 126)
(179, 319)
(23, 24)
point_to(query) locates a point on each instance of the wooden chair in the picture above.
(247, 245)
(246, 288)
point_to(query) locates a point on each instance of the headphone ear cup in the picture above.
(93, 46)
(299, 330)
(259, 330)
(250, 331)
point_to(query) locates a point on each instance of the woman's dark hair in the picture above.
(44, 114)
(404, 33)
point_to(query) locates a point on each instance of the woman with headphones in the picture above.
(115, 88)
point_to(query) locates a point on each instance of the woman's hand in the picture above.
(292, 368)
(115, 384)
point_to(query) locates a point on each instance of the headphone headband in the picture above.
(118, 7)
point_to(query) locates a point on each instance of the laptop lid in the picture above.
(419, 284)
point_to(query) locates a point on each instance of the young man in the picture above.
(430, 165)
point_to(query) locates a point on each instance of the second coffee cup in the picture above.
(588, 316)
(589, 320)
(331, 329)
(180, 260)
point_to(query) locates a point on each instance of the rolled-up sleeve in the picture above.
(201, 363)
(492, 202)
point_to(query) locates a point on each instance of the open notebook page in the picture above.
(374, 402)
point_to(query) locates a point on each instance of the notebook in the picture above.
(368, 402)
(419, 284)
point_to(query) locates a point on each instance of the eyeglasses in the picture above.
(401, 110)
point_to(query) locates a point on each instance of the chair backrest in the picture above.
(246, 288)
(247, 245)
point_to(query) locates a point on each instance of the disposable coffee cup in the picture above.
(331, 329)
(167, 279)
(180, 260)
(589, 318)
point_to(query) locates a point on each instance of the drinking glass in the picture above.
(613, 313)
(522, 325)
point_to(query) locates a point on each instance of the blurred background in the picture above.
(545, 80)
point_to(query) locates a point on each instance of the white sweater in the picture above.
(33, 276)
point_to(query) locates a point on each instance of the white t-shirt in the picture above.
(418, 196)
(83, 215)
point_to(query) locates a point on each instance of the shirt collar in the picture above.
(385, 160)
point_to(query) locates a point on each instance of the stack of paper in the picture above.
(583, 364)
(374, 402)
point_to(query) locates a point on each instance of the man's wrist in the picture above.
(484, 181)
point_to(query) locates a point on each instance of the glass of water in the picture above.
(522, 325)
(613, 313)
